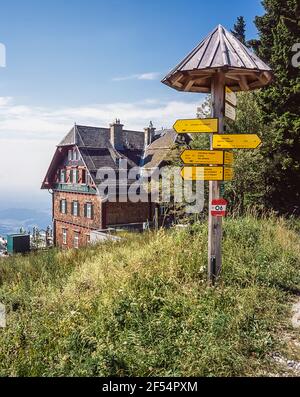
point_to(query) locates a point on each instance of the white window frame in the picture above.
(76, 240)
(74, 176)
(75, 213)
(89, 210)
(63, 206)
(75, 154)
(63, 176)
(65, 236)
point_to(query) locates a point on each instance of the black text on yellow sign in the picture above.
(236, 141)
(212, 157)
(197, 126)
(207, 173)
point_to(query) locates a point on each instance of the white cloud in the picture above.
(141, 76)
(28, 134)
(40, 123)
(5, 100)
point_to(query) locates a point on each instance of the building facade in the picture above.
(73, 179)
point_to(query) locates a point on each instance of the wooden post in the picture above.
(215, 223)
(156, 219)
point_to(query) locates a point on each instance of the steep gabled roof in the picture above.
(97, 152)
(93, 137)
(219, 50)
(158, 151)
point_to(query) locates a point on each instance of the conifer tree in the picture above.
(239, 30)
(279, 30)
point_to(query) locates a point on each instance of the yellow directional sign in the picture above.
(196, 125)
(236, 141)
(213, 157)
(228, 174)
(230, 96)
(228, 158)
(206, 173)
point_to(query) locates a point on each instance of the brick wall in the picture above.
(82, 232)
(105, 214)
(76, 221)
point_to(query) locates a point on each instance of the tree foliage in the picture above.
(279, 30)
(270, 177)
(239, 30)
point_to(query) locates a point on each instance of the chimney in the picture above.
(149, 134)
(116, 136)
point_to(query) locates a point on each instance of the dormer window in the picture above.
(73, 155)
(74, 176)
(63, 176)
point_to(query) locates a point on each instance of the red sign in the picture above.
(218, 207)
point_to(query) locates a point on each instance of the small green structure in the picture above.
(18, 243)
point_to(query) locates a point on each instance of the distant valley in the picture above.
(12, 219)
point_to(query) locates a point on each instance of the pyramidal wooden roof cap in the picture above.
(220, 50)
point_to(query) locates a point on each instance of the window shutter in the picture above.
(66, 206)
(72, 208)
(85, 210)
(78, 209)
(60, 206)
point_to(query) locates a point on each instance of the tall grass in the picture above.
(143, 307)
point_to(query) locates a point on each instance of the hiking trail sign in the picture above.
(221, 66)
(218, 207)
(207, 173)
(230, 112)
(196, 125)
(236, 141)
(230, 97)
(212, 157)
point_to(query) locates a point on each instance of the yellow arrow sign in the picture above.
(228, 158)
(228, 174)
(213, 157)
(236, 141)
(206, 173)
(196, 125)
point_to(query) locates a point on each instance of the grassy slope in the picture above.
(142, 307)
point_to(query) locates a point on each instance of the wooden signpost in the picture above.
(219, 65)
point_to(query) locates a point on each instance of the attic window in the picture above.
(62, 176)
(75, 154)
(74, 176)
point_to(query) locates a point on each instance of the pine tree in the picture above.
(279, 30)
(239, 30)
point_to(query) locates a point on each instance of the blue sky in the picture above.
(91, 61)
